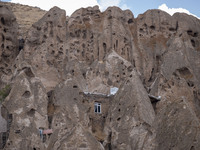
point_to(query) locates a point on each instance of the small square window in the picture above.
(97, 108)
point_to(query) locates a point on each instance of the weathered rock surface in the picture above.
(8, 40)
(132, 116)
(25, 16)
(62, 77)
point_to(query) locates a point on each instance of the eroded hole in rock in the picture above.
(172, 29)
(49, 63)
(29, 72)
(2, 46)
(141, 30)
(72, 72)
(118, 119)
(193, 43)
(3, 38)
(84, 75)
(60, 53)
(83, 45)
(38, 28)
(77, 33)
(44, 36)
(125, 40)
(145, 25)
(31, 112)
(130, 69)
(127, 81)
(104, 47)
(101, 141)
(7, 47)
(52, 52)
(192, 148)
(2, 20)
(152, 27)
(71, 34)
(185, 73)
(130, 21)
(195, 34)
(26, 94)
(8, 38)
(190, 83)
(84, 32)
(189, 32)
(154, 102)
(75, 86)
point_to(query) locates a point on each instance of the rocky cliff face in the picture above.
(8, 41)
(61, 79)
(25, 16)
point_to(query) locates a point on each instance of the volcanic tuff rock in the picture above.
(8, 40)
(25, 16)
(68, 65)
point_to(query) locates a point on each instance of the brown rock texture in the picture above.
(8, 41)
(62, 77)
(25, 16)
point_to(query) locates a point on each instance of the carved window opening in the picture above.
(97, 108)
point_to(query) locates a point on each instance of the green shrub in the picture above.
(4, 92)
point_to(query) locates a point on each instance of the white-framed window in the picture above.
(97, 107)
